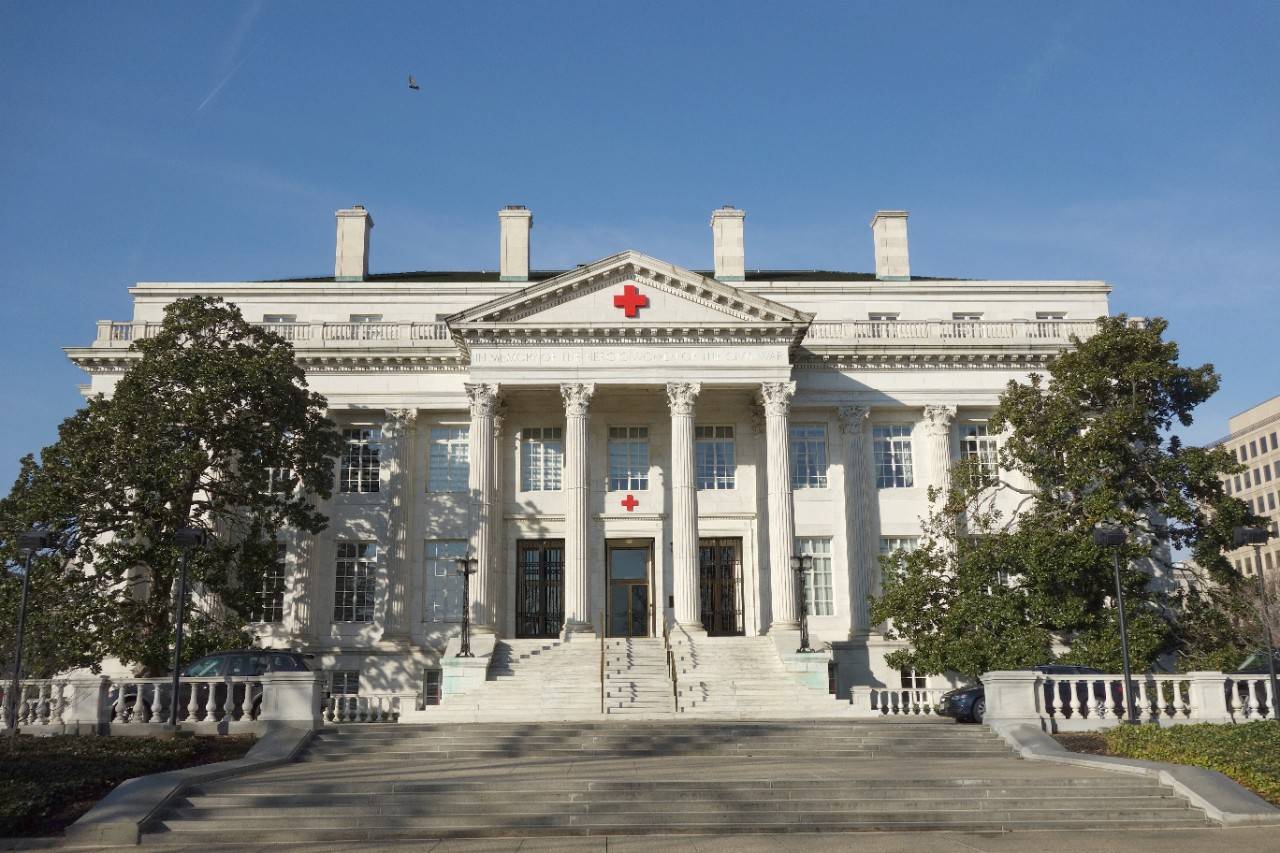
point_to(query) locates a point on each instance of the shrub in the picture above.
(1249, 752)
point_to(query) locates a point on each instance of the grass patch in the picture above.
(1249, 753)
(46, 783)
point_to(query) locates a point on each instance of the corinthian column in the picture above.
(860, 539)
(681, 397)
(399, 430)
(484, 399)
(937, 429)
(776, 399)
(577, 590)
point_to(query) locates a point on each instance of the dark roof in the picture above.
(428, 276)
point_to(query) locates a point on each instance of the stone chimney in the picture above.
(513, 260)
(726, 240)
(352, 259)
(889, 231)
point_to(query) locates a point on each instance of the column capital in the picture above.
(577, 397)
(682, 395)
(483, 398)
(499, 416)
(853, 419)
(938, 418)
(776, 398)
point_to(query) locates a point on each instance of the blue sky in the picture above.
(1131, 142)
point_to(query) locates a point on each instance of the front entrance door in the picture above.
(630, 562)
(720, 586)
(539, 587)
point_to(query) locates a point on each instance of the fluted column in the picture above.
(577, 587)
(484, 400)
(937, 429)
(398, 431)
(496, 539)
(861, 542)
(681, 397)
(776, 399)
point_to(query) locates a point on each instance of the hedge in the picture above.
(48, 782)
(1247, 752)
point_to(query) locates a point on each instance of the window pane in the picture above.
(628, 458)
(360, 465)
(808, 456)
(355, 580)
(449, 460)
(713, 449)
(892, 447)
(270, 600)
(818, 595)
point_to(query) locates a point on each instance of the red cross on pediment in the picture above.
(630, 502)
(630, 300)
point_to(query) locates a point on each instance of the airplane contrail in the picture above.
(225, 80)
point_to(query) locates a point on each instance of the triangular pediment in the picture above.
(626, 294)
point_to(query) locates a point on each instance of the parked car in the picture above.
(969, 704)
(229, 664)
(1256, 663)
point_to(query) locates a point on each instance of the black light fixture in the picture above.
(466, 567)
(1114, 537)
(1257, 537)
(802, 565)
(186, 539)
(28, 543)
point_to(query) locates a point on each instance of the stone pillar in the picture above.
(862, 547)
(681, 397)
(484, 400)
(497, 541)
(577, 586)
(302, 592)
(399, 433)
(937, 429)
(776, 399)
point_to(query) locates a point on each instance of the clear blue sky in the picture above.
(1132, 142)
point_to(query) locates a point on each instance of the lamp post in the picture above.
(1257, 537)
(1114, 538)
(466, 568)
(186, 538)
(28, 544)
(802, 565)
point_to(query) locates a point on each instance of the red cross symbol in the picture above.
(631, 503)
(631, 300)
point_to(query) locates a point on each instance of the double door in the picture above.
(539, 587)
(630, 566)
(720, 586)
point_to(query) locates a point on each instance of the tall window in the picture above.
(912, 680)
(808, 456)
(713, 455)
(355, 579)
(541, 458)
(892, 444)
(344, 682)
(361, 461)
(818, 596)
(280, 481)
(448, 460)
(444, 585)
(628, 458)
(270, 604)
(889, 544)
(977, 445)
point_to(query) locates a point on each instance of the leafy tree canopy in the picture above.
(1008, 570)
(189, 437)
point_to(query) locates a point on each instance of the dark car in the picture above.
(969, 704)
(1256, 663)
(229, 665)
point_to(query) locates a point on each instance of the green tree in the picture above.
(1093, 442)
(189, 437)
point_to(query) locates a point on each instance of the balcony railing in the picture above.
(950, 331)
(305, 335)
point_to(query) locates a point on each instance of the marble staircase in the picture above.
(636, 679)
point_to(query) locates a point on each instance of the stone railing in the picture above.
(362, 709)
(1088, 702)
(305, 335)
(895, 702)
(136, 705)
(889, 332)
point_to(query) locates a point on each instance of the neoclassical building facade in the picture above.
(626, 447)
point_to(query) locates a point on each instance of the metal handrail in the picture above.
(601, 623)
(671, 665)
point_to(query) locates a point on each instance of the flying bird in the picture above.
(413, 84)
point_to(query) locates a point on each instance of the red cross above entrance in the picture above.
(631, 503)
(630, 300)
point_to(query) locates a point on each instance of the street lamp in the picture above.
(802, 565)
(1257, 537)
(186, 538)
(466, 568)
(1113, 537)
(28, 543)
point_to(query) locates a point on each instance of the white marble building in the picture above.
(623, 445)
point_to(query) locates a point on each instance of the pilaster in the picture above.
(775, 397)
(577, 590)
(681, 399)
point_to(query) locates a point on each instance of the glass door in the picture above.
(630, 562)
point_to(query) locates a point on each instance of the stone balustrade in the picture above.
(113, 335)
(362, 709)
(951, 331)
(227, 705)
(873, 702)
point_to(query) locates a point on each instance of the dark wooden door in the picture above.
(539, 587)
(720, 586)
